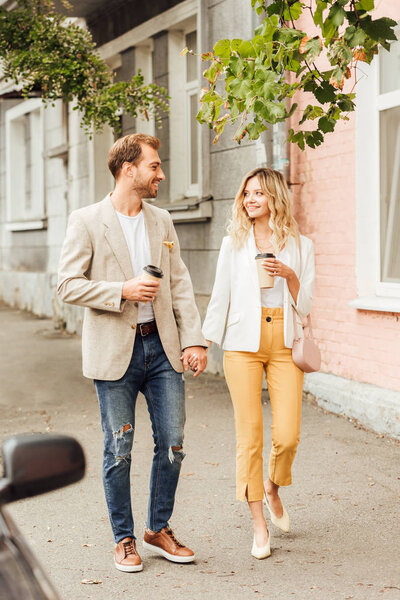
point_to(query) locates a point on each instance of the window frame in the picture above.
(192, 88)
(179, 120)
(373, 293)
(19, 218)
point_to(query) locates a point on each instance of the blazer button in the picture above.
(136, 304)
(133, 326)
(268, 319)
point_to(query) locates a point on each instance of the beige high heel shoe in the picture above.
(262, 552)
(283, 522)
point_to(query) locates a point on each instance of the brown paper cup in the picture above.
(152, 273)
(265, 279)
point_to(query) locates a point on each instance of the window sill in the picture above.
(376, 303)
(27, 225)
(190, 210)
(60, 151)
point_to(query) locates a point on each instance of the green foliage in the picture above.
(262, 75)
(44, 52)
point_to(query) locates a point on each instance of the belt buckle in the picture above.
(146, 328)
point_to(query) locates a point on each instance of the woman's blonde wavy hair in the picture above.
(282, 222)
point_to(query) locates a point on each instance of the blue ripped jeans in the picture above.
(149, 372)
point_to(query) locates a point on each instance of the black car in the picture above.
(33, 464)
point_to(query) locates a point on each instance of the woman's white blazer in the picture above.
(234, 312)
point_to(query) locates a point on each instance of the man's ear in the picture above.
(128, 169)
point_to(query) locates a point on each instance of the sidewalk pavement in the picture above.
(344, 503)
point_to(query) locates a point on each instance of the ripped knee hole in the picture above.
(124, 429)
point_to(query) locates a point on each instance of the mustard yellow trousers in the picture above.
(244, 374)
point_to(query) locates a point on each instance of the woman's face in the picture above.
(255, 201)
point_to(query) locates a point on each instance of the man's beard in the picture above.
(145, 190)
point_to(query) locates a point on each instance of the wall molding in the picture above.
(374, 407)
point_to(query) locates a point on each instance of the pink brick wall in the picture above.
(359, 345)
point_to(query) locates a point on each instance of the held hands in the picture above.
(140, 290)
(194, 357)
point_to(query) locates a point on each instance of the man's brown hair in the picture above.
(129, 149)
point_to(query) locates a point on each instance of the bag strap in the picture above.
(308, 325)
(296, 333)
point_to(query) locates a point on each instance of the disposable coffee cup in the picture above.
(265, 279)
(152, 273)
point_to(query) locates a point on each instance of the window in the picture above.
(389, 125)
(378, 183)
(192, 108)
(185, 138)
(25, 166)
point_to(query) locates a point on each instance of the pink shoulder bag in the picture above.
(305, 352)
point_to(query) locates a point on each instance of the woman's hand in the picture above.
(277, 268)
(194, 357)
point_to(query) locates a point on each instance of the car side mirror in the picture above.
(39, 463)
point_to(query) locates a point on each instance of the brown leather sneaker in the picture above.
(126, 557)
(165, 543)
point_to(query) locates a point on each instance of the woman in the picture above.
(259, 331)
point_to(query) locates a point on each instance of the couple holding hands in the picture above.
(140, 334)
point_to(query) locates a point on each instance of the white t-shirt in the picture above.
(135, 232)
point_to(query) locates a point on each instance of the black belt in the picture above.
(145, 328)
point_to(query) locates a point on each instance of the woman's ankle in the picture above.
(271, 488)
(260, 525)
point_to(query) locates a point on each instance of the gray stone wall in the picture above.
(227, 164)
(124, 73)
(160, 77)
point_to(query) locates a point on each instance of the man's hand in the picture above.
(140, 290)
(194, 357)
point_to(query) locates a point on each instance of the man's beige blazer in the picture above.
(94, 264)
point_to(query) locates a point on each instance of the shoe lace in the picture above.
(174, 538)
(129, 548)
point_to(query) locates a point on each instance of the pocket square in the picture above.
(169, 245)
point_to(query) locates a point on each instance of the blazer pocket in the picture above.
(233, 318)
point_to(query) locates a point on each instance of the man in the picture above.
(138, 336)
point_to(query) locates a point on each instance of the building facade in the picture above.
(346, 192)
(347, 195)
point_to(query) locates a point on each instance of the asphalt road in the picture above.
(344, 503)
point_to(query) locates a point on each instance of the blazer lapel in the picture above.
(251, 251)
(116, 238)
(153, 232)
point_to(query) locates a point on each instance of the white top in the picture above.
(273, 297)
(135, 232)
